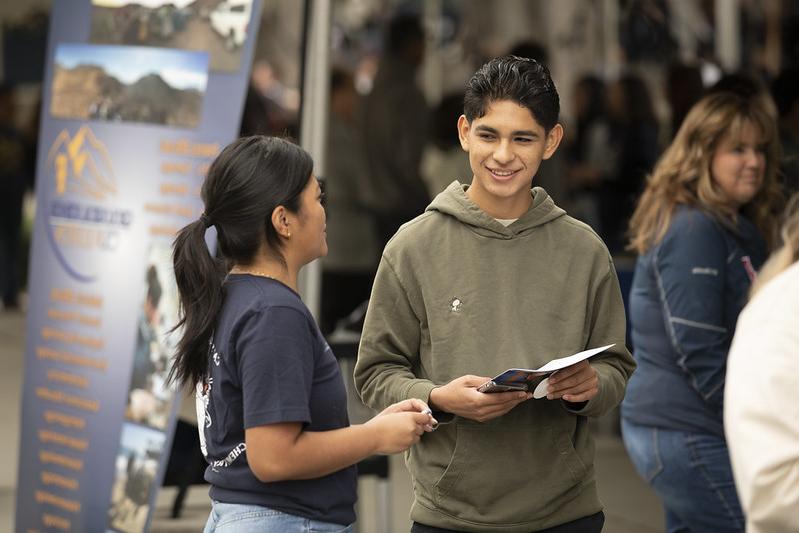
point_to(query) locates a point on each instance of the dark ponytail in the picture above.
(245, 183)
(199, 279)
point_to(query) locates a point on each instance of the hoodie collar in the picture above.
(453, 201)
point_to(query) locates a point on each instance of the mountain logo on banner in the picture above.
(81, 165)
(82, 227)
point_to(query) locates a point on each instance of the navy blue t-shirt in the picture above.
(268, 363)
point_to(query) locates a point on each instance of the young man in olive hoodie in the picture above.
(493, 276)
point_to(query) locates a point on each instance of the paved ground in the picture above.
(631, 507)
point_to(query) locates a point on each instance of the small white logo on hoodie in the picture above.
(456, 305)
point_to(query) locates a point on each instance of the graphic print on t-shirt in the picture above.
(202, 396)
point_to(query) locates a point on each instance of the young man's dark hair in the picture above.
(525, 81)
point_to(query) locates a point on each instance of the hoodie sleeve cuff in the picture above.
(574, 407)
(421, 390)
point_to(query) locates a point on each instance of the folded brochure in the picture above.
(527, 379)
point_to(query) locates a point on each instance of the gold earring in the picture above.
(288, 235)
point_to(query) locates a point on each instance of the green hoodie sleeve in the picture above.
(615, 366)
(389, 348)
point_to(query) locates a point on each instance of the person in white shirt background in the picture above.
(761, 418)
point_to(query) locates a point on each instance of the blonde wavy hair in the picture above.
(682, 175)
(788, 253)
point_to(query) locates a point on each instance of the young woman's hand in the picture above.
(412, 405)
(400, 426)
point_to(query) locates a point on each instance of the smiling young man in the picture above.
(494, 275)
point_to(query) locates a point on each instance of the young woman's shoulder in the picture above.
(266, 301)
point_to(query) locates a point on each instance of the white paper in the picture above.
(563, 362)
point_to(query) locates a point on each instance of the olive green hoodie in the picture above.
(458, 293)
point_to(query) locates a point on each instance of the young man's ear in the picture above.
(554, 137)
(463, 132)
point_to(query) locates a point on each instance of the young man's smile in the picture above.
(503, 175)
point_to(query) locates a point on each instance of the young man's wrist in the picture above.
(435, 400)
(440, 412)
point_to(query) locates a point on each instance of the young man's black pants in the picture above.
(588, 524)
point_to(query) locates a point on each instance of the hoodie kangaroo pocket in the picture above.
(458, 463)
(508, 475)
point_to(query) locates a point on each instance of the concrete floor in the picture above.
(630, 505)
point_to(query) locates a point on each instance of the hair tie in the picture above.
(206, 220)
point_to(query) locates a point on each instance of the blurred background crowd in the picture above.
(627, 72)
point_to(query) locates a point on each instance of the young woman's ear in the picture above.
(280, 220)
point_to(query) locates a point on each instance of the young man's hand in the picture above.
(460, 397)
(576, 383)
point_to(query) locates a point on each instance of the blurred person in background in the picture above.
(701, 229)
(588, 154)
(350, 264)
(531, 49)
(632, 152)
(747, 86)
(395, 128)
(147, 340)
(14, 180)
(443, 159)
(761, 421)
(270, 106)
(684, 88)
(785, 90)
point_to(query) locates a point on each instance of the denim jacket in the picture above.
(685, 299)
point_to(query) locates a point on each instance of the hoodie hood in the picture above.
(453, 201)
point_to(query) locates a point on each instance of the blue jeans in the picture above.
(691, 474)
(242, 518)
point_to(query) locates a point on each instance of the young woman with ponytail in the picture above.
(270, 398)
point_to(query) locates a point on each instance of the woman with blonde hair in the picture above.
(701, 229)
(761, 421)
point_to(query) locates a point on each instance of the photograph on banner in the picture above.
(135, 469)
(129, 84)
(216, 26)
(149, 398)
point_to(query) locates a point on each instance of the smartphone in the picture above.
(493, 386)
